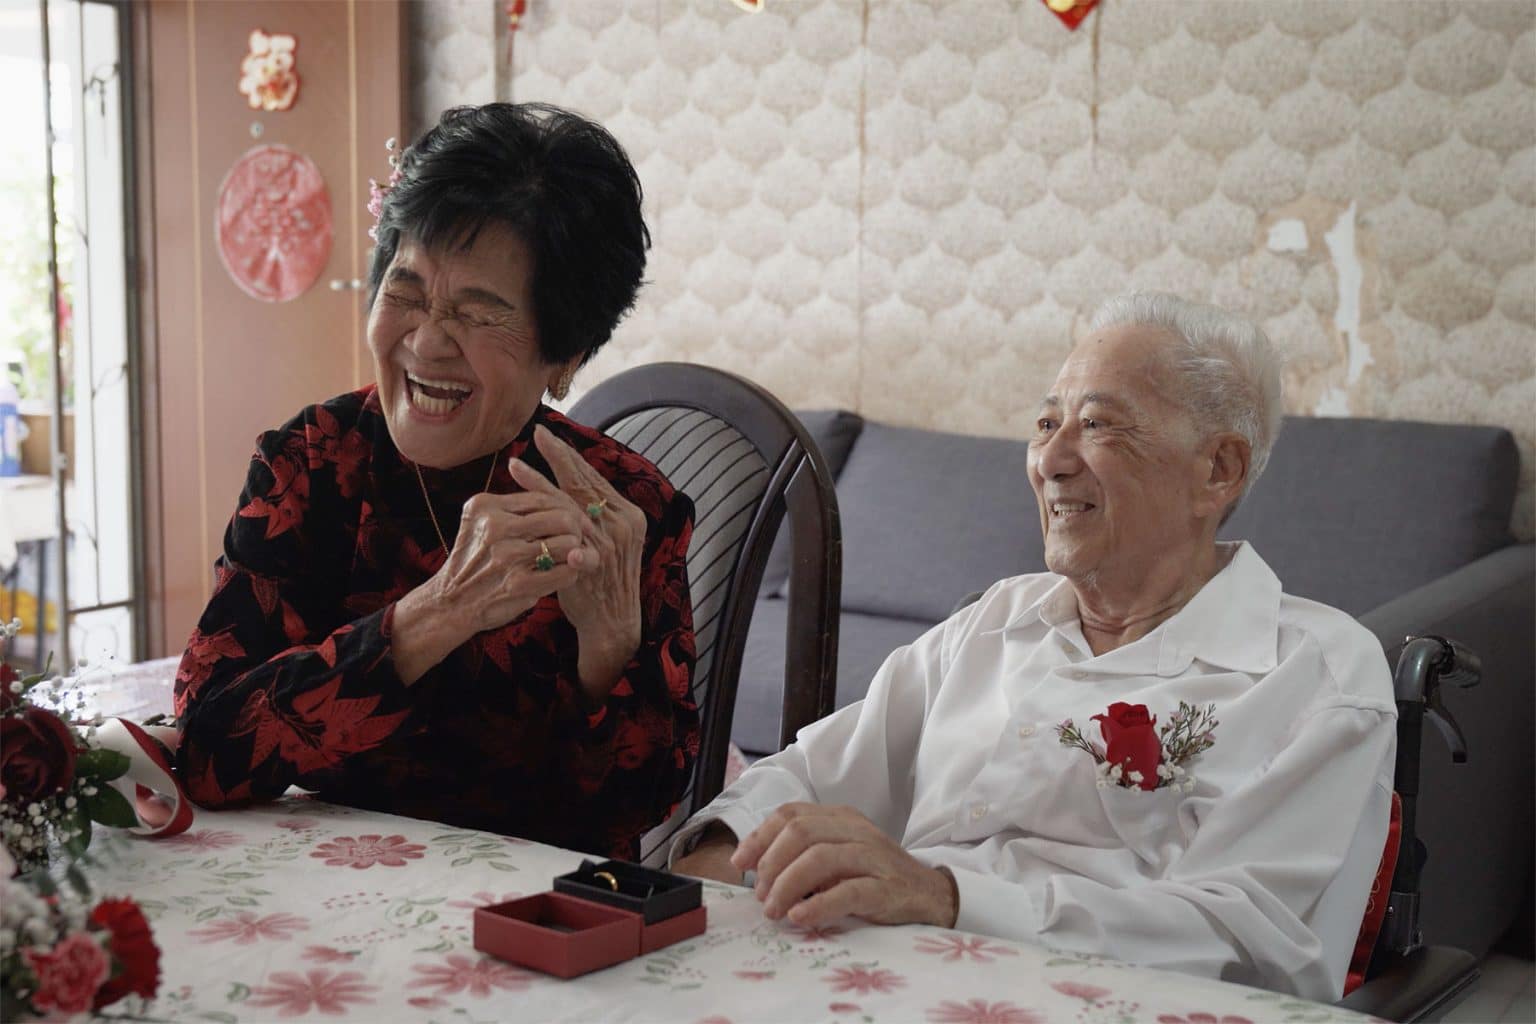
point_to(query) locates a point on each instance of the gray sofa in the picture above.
(1403, 525)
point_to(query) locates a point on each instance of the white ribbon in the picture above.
(149, 785)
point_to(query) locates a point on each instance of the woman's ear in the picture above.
(558, 382)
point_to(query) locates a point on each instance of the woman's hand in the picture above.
(603, 600)
(491, 575)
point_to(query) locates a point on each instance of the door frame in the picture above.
(374, 28)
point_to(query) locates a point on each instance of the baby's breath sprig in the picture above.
(1071, 736)
(1187, 733)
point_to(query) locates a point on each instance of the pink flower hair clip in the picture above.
(377, 192)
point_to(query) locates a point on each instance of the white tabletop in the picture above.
(28, 509)
(302, 909)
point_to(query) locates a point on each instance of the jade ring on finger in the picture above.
(545, 561)
(595, 509)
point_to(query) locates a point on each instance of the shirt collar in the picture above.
(1231, 622)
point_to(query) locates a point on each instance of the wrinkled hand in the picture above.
(815, 864)
(603, 601)
(491, 576)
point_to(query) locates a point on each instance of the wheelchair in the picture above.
(1407, 980)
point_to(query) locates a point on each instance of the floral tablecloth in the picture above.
(307, 910)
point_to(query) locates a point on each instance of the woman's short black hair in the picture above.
(560, 181)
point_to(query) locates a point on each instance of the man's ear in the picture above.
(1223, 473)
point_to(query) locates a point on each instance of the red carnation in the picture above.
(37, 755)
(133, 949)
(1131, 741)
(67, 975)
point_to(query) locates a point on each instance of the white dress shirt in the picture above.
(1257, 875)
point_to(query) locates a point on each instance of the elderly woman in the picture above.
(439, 597)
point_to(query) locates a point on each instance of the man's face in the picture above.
(1113, 462)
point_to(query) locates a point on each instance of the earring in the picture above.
(562, 385)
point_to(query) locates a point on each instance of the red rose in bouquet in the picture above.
(1131, 741)
(133, 949)
(37, 755)
(7, 677)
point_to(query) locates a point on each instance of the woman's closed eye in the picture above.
(475, 316)
(405, 300)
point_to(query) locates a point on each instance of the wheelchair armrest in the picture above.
(1421, 986)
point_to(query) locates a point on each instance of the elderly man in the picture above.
(1148, 752)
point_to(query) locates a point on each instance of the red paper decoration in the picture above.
(267, 75)
(1071, 12)
(516, 11)
(273, 223)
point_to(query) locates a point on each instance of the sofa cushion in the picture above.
(929, 517)
(834, 431)
(864, 642)
(1355, 512)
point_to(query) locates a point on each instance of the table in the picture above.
(28, 515)
(301, 909)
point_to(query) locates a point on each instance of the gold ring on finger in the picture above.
(545, 561)
(595, 508)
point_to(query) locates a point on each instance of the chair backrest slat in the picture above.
(725, 475)
(744, 460)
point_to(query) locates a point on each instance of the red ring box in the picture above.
(563, 934)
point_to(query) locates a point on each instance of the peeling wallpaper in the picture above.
(910, 209)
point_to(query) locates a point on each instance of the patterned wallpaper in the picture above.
(909, 208)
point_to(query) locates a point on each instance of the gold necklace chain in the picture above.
(448, 548)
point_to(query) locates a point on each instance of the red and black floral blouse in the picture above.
(289, 679)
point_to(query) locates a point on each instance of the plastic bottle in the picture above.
(10, 428)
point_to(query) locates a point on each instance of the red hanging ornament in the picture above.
(1071, 12)
(516, 10)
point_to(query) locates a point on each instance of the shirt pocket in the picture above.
(1147, 822)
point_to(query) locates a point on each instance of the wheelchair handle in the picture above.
(1426, 660)
(1461, 666)
(1425, 663)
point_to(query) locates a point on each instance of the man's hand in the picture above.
(815, 864)
(712, 857)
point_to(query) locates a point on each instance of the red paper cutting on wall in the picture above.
(273, 223)
(1071, 12)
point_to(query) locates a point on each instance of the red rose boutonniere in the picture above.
(1137, 752)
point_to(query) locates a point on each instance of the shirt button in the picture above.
(978, 812)
(1026, 731)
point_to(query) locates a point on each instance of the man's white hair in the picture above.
(1225, 369)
